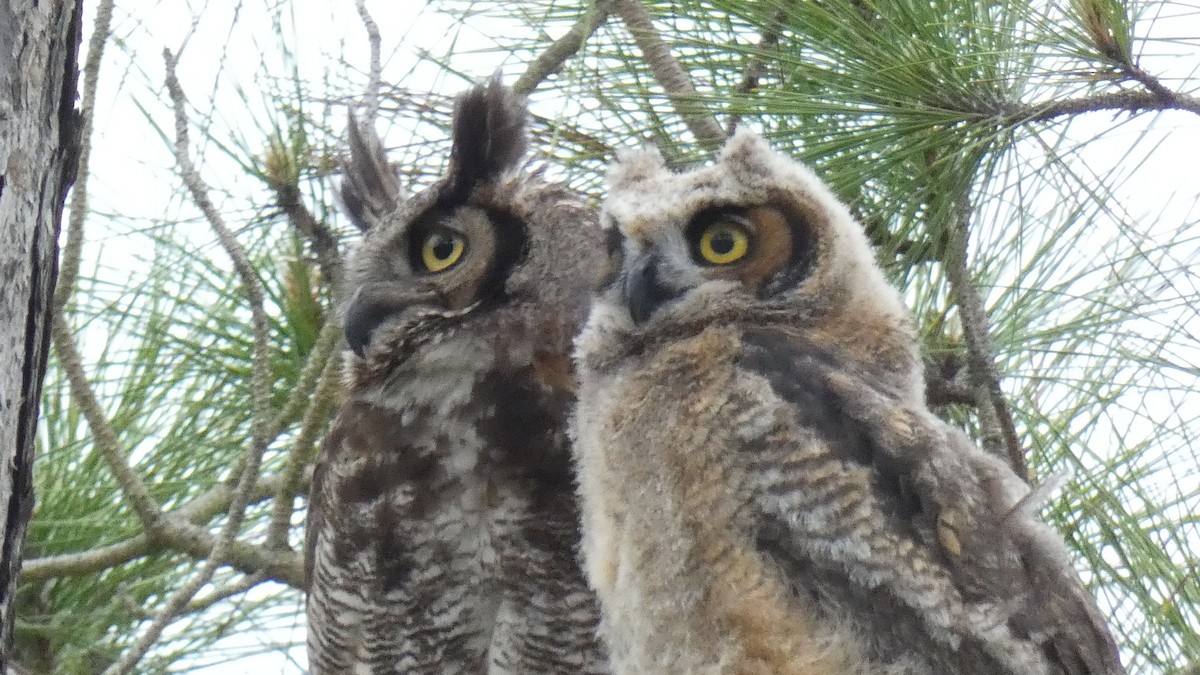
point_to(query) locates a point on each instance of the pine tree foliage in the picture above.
(1013, 162)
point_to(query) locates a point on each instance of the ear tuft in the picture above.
(633, 166)
(370, 187)
(489, 136)
(747, 150)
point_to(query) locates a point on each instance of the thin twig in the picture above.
(755, 68)
(1132, 101)
(104, 437)
(68, 270)
(306, 382)
(260, 387)
(91, 561)
(255, 295)
(376, 68)
(997, 430)
(286, 567)
(670, 74)
(552, 59)
(221, 594)
(1170, 99)
(1130, 70)
(319, 408)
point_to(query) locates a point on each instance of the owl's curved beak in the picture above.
(642, 290)
(370, 306)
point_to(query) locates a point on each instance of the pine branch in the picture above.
(670, 74)
(284, 566)
(68, 271)
(104, 437)
(373, 77)
(301, 394)
(1131, 101)
(552, 59)
(1130, 70)
(755, 68)
(998, 432)
(301, 454)
(198, 511)
(1168, 98)
(222, 546)
(224, 593)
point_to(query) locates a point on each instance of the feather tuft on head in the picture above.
(370, 186)
(489, 136)
(635, 165)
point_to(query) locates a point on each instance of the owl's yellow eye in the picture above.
(441, 250)
(723, 243)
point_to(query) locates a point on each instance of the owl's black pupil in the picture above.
(722, 243)
(443, 247)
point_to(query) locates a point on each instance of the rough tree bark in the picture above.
(38, 150)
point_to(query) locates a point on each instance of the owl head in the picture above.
(753, 239)
(486, 268)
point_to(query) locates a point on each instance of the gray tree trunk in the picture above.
(38, 151)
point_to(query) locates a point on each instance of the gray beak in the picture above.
(642, 290)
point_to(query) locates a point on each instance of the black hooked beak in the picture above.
(642, 290)
(370, 306)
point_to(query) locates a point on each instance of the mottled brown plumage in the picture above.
(442, 527)
(763, 488)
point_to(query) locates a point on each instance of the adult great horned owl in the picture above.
(442, 527)
(763, 488)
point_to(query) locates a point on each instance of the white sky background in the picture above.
(233, 52)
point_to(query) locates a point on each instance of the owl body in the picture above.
(442, 528)
(763, 488)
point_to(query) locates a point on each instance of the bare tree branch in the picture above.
(224, 544)
(376, 68)
(198, 511)
(314, 368)
(552, 59)
(997, 430)
(103, 435)
(284, 566)
(755, 67)
(670, 74)
(1132, 101)
(221, 594)
(301, 455)
(1127, 67)
(85, 562)
(68, 270)
(1168, 99)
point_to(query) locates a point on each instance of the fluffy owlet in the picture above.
(442, 529)
(763, 487)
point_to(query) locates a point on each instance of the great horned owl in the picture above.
(442, 528)
(763, 487)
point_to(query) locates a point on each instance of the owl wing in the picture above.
(547, 619)
(883, 515)
(388, 592)
(329, 622)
